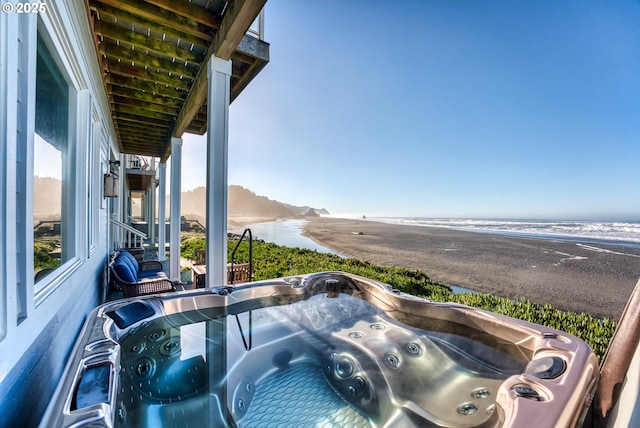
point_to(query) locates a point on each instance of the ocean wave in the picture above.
(602, 231)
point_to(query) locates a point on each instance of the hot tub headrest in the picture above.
(127, 315)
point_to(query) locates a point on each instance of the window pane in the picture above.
(51, 166)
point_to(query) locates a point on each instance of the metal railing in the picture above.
(257, 28)
(130, 237)
(233, 255)
(247, 344)
(138, 162)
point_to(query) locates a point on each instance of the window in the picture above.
(53, 166)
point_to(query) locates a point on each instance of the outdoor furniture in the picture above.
(138, 278)
(199, 268)
(236, 273)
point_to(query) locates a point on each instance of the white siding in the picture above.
(38, 325)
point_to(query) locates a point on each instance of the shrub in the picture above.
(191, 243)
(42, 258)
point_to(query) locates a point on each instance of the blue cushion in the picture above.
(124, 261)
(129, 256)
(131, 261)
(150, 273)
(123, 270)
(133, 265)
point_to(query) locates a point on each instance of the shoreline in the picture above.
(568, 274)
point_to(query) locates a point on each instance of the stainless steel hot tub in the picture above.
(327, 349)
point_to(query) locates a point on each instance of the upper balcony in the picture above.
(140, 171)
(153, 56)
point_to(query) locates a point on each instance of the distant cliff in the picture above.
(47, 201)
(243, 202)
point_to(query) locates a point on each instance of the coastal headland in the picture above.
(582, 277)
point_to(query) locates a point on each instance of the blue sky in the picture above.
(502, 109)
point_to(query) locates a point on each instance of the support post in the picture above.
(124, 198)
(152, 205)
(152, 213)
(162, 197)
(174, 235)
(219, 74)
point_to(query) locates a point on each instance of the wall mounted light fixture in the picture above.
(111, 181)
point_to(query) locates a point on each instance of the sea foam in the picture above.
(620, 232)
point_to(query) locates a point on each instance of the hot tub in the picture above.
(320, 350)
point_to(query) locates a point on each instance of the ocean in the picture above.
(619, 233)
(287, 233)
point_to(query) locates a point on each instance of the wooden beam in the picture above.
(95, 24)
(144, 43)
(260, 52)
(147, 97)
(161, 15)
(125, 131)
(248, 75)
(203, 36)
(160, 108)
(144, 113)
(146, 86)
(137, 146)
(142, 120)
(250, 48)
(235, 25)
(190, 10)
(151, 143)
(112, 51)
(225, 42)
(126, 69)
(197, 127)
(143, 140)
(143, 127)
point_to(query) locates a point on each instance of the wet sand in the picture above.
(582, 277)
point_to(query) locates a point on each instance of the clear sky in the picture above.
(503, 109)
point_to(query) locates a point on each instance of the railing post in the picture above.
(233, 255)
(130, 236)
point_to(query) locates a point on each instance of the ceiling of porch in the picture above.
(153, 54)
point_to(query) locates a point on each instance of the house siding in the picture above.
(39, 323)
(27, 389)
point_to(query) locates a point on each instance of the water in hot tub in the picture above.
(318, 362)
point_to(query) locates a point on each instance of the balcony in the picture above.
(140, 173)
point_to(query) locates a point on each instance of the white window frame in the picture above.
(75, 210)
(94, 171)
(26, 311)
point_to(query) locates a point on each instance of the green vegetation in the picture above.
(192, 242)
(42, 258)
(274, 261)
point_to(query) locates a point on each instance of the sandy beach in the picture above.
(592, 278)
(236, 222)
